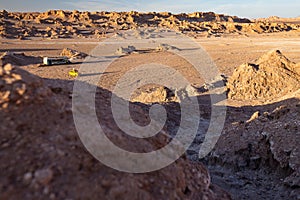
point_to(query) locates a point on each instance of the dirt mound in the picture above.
(125, 50)
(18, 87)
(19, 59)
(71, 53)
(153, 94)
(42, 156)
(272, 76)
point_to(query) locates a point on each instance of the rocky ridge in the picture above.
(69, 24)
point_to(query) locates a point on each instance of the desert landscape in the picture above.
(257, 155)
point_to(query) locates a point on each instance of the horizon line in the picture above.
(145, 12)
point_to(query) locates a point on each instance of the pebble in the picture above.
(46, 190)
(43, 176)
(1, 71)
(5, 105)
(7, 68)
(52, 196)
(5, 145)
(27, 176)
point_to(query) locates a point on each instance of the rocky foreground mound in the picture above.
(262, 153)
(272, 76)
(69, 24)
(43, 158)
(19, 59)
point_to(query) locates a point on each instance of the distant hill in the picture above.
(276, 19)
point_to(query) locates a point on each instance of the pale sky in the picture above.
(247, 8)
